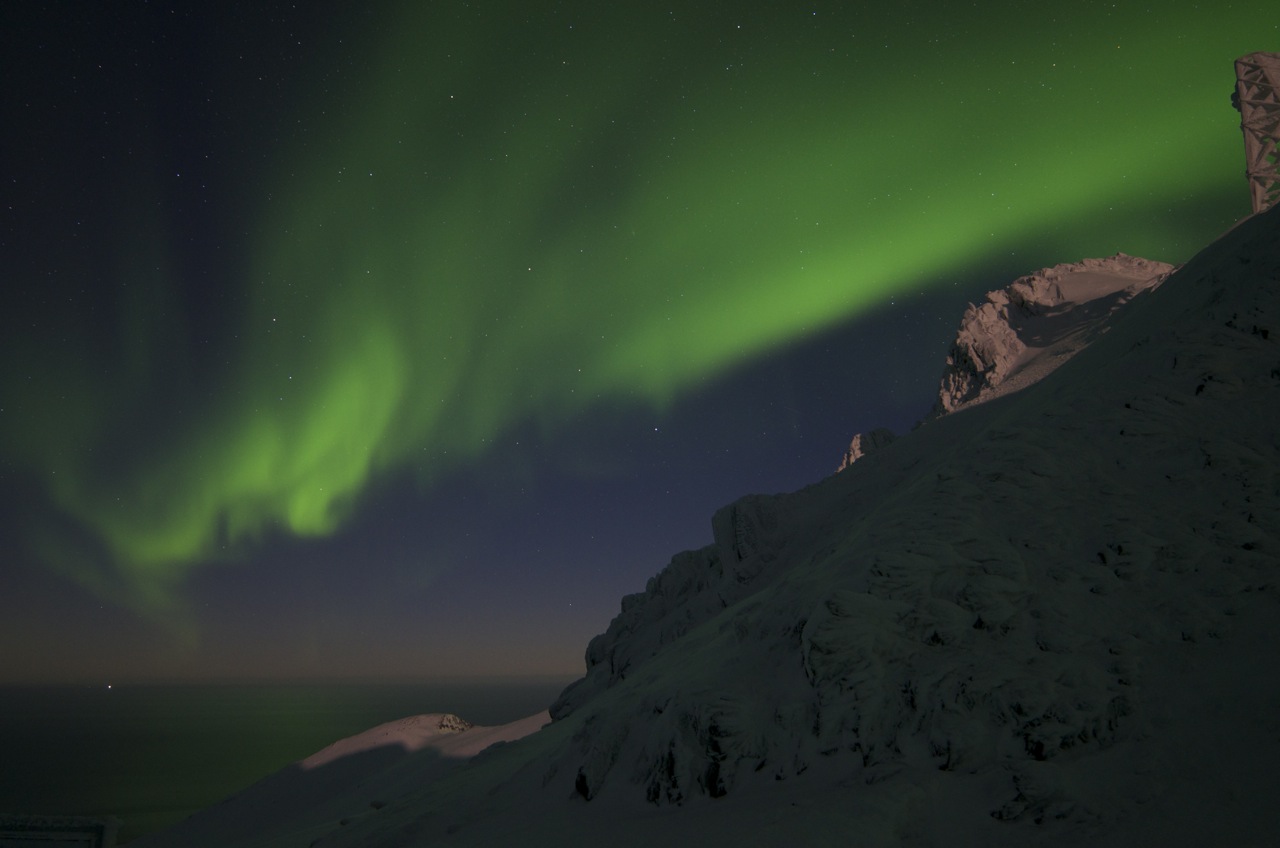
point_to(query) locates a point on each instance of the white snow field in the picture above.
(1050, 618)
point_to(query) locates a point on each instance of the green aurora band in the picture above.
(502, 223)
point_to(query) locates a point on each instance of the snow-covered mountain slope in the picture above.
(1050, 618)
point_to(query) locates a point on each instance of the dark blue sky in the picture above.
(381, 343)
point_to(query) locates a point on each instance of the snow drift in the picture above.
(1044, 619)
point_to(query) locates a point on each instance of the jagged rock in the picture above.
(693, 588)
(450, 723)
(1021, 333)
(1024, 331)
(864, 444)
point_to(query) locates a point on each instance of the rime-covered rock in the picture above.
(1036, 323)
(693, 588)
(865, 443)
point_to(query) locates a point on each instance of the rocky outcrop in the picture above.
(864, 444)
(1024, 331)
(450, 723)
(695, 587)
(1035, 324)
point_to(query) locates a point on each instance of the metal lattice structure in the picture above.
(1257, 96)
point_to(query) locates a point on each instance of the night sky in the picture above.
(397, 341)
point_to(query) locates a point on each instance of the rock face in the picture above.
(864, 444)
(1024, 331)
(696, 586)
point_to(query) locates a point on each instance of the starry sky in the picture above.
(400, 340)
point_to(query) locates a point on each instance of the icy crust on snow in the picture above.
(1037, 323)
(980, 598)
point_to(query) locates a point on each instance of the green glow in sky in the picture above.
(494, 221)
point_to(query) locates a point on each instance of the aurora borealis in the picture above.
(299, 301)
